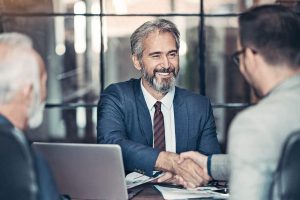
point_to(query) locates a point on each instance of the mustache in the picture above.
(165, 70)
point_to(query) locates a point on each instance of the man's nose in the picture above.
(165, 61)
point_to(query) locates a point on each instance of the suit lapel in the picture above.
(144, 117)
(181, 122)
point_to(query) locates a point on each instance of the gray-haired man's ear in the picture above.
(136, 62)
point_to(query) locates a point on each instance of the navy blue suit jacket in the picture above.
(15, 169)
(124, 119)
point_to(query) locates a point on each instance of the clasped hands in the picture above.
(188, 169)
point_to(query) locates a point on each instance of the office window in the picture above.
(85, 45)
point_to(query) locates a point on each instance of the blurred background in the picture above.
(85, 44)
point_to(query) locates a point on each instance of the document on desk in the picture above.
(172, 193)
(135, 179)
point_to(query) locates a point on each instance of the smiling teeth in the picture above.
(164, 74)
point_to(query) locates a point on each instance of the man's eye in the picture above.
(155, 56)
(172, 55)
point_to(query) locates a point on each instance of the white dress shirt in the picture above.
(168, 112)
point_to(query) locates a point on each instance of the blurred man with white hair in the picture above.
(23, 173)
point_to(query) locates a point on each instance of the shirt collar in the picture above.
(166, 101)
(18, 134)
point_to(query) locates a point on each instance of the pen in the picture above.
(222, 190)
(170, 185)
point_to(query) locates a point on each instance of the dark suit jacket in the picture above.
(15, 169)
(124, 119)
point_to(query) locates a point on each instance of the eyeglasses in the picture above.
(236, 56)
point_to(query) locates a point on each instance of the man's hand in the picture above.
(201, 160)
(166, 161)
(168, 177)
(191, 173)
(187, 169)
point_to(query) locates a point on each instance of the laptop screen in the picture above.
(86, 171)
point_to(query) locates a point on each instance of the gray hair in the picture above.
(18, 65)
(142, 32)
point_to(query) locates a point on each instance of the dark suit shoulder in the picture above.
(11, 150)
(118, 98)
(122, 91)
(8, 143)
(191, 97)
(123, 86)
(15, 183)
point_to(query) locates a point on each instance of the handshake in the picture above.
(188, 169)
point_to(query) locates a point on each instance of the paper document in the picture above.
(171, 193)
(134, 179)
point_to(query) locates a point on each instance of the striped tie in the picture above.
(159, 128)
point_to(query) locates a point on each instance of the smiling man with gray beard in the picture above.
(152, 119)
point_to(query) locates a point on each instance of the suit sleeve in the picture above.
(209, 142)
(219, 168)
(16, 180)
(47, 187)
(111, 129)
(250, 160)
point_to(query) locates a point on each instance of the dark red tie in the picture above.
(159, 128)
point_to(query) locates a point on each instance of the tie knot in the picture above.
(157, 105)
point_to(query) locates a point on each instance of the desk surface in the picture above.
(148, 193)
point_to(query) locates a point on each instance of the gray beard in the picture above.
(164, 87)
(35, 113)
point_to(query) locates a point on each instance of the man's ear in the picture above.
(27, 92)
(136, 62)
(250, 59)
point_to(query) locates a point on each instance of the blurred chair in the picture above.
(287, 176)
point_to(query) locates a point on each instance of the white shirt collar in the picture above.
(166, 101)
(19, 135)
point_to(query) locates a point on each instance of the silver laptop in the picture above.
(86, 171)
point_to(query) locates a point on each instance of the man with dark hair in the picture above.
(150, 118)
(269, 59)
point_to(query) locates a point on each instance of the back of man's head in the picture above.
(273, 31)
(18, 65)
